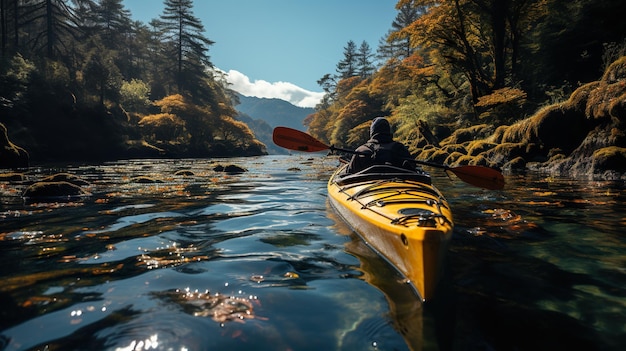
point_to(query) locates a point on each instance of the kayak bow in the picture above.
(401, 216)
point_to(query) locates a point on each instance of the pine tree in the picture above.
(187, 47)
(9, 27)
(113, 23)
(329, 84)
(365, 66)
(397, 44)
(51, 26)
(347, 67)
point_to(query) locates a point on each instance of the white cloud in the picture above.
(279, 90)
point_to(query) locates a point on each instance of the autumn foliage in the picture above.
(487, 82)
(184, 124)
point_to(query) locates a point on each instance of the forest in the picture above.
(512, 84)
(80, 80)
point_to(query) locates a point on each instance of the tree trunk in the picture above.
(3, 27)
(470, 59)
(50, 29)
(498, 22)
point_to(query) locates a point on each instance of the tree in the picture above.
(163, 128)
(15, 77)
(112, 21)
(153, 38)
(187, 45)
(397, 43)
(365, 66)
(114, 27)
(101, 75)
(347, 67)
(9, 29)
(568, 41)
(51, 27)
(329, 84)
(134, 95)
(476, 37)
(104, 48)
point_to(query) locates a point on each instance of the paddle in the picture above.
(479, 176)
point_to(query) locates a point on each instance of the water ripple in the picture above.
(258, 261)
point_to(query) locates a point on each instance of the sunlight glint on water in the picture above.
(258, 260)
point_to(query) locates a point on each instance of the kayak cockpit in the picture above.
(376, 172)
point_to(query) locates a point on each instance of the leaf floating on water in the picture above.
(152, 262)
(503, 223)
(257, 278)
(545, 193)
(221, 308)
(506, 216)
(105, 269)
(590, 202)
(477, 231)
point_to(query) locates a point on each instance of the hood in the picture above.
(380, 126)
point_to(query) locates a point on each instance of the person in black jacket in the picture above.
(380, 149)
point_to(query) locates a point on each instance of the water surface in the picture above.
(258, 260)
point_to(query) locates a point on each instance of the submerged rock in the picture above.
(66, 177)
(11, 177)
(53, 189)
(610, 158)
(233, 169)
(184, 173)
(145, 180)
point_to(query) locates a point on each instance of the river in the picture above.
(211, 261)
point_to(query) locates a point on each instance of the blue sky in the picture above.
(280, 48)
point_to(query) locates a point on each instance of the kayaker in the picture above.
(380, 149)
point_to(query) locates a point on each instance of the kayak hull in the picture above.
(401, 216)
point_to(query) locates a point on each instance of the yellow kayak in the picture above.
(399, 214)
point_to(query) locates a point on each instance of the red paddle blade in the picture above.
(296, 140)
(482, 177)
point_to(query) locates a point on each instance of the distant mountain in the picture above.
(263, 132)
(275, 112)
(262, 115)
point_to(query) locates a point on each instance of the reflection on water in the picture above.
(157, 259)
(405, 309)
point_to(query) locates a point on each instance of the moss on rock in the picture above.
(453, 157)
(463, 135)
(452, 148)
(517, 164)
(439, 156)
(479, 146)
(609, 158)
